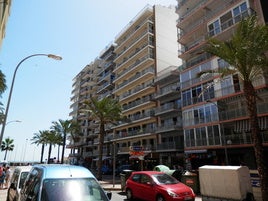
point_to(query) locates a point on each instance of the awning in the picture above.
(244, 125)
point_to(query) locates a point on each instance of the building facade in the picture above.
(173, 116)
(126, 71)
(215, 118)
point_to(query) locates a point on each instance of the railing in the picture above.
(234, 139)
(170, 146)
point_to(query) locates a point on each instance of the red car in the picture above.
(158, 186)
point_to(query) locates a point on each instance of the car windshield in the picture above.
(72, 189)
(164, 179)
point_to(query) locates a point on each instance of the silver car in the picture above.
(58, 182)
(17, 180)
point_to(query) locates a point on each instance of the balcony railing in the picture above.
(133, 133)
(169, 127)
(231, 140)
(170, 146)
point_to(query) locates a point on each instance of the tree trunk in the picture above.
(63, 148)
(250, 95)
(5, 155)
(42, 153)
(49, 153)
(101, 141)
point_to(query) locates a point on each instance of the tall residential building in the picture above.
(84, 86)
(146, 46)
(215, 118)
(139, 70)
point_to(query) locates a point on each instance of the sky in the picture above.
(75, 30)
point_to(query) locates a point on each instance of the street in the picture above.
(120, 196)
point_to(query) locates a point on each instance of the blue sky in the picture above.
(76, 30)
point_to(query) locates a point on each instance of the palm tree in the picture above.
(2, 89)
(7, 145)
(63, 127)
(40, 138)
(52, 139)
(2, 82)
(246, 52)
(104, 112)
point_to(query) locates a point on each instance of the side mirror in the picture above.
(109, 195)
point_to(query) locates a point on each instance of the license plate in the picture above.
(188, 198)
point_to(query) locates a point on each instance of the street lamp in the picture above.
(13, 121)
(52, 56)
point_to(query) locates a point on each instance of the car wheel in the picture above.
(160, 198)
(129, 194)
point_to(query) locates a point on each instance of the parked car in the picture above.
(121, 168)
(51, 182)
(16, 182)
(159, 186)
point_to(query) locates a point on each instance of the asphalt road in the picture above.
(120, 196)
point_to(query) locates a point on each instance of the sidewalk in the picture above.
(3, 195)
(109, 184)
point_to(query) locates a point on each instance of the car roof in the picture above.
(64, 171)
(148, 172)
(23, 168)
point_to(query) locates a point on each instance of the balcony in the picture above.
(232, 140)
(135, 104)
(169, 107)
(170, 146)
(169, 127)
(168, 91)
(134, 133)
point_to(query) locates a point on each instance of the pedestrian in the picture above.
(7, 177)
(2, 178)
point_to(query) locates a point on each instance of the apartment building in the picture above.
(84, 87)
(146, 46)
(215, 119)
(126, 70)
(168, 114)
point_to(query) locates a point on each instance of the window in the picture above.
(226, 20)
(189, 139)
(186, 98)
(201, 138)
(240, 12)
(214, 28)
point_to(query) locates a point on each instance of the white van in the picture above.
(61, 182)
(16, 182)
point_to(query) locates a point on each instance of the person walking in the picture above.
(7, 176)
(2, 178)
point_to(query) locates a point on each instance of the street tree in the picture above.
(7, 145)
(52, 138)
(40, 139)
(63, 127)
(2, 89)
(105, 111)
(246, 54)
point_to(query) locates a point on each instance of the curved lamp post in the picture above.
(52, 56)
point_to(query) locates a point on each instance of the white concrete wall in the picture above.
(166, 37)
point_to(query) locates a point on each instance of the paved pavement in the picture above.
(3, 194)
(107, 183)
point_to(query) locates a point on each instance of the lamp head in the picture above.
(52, 56)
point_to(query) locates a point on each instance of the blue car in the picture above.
(53, 182)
